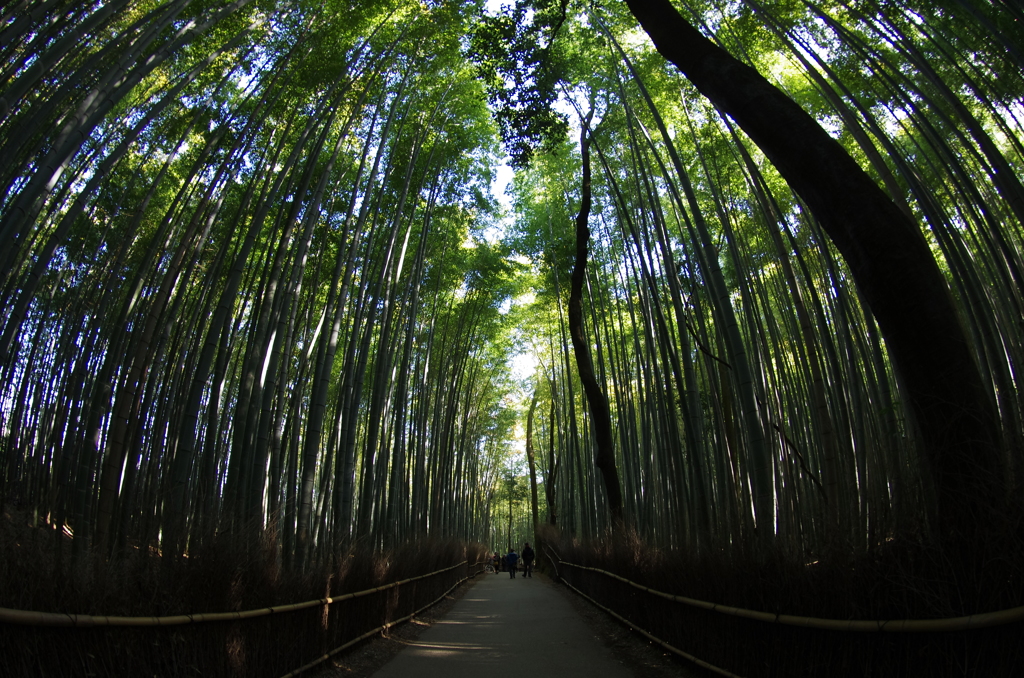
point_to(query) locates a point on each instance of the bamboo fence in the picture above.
(966, 623)
(29, 618)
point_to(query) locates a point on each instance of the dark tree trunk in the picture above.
(599, 410)
(531, 459)
(890, 261)
(549, 483)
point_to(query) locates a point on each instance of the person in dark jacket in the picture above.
(512, 559)
(528, 556)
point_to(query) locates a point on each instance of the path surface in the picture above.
(502, 624)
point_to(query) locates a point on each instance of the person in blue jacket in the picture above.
(512, 559)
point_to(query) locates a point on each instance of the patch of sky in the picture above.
(713, 19)
(1011, 113)
(831, 124)
(501, 190)
(893, 121)
(259, 64)
(523, 361)
(523, 365)
(816, 39)
(495, 7)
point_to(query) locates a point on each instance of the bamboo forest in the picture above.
(722, 299)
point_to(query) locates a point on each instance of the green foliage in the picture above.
(378, 125)
(517, 56)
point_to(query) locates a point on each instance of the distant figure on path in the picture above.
(528, 557)
(496, 561)
(512, 559)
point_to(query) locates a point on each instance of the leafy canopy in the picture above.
(516, 58)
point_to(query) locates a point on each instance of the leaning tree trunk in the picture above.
(531, 459)
(890, 261)
(598, 401)
(549, 482)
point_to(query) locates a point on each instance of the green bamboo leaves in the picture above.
(251, 280)
(754, 396)
(236, 272)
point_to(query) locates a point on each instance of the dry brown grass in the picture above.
(902, 579)
(37, 573)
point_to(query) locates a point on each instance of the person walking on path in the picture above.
(528, 556)
(512, 559)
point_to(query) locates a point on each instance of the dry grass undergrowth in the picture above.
(37, 573)
(365, 659)
(901, 579)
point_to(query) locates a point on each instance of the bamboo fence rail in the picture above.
(970, 622)
(29, 618)
(384, 627)
(650, 636)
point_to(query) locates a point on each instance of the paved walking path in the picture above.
(501, 624)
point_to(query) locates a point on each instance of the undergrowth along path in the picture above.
(503, 622)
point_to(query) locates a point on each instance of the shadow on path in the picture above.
(503, 623)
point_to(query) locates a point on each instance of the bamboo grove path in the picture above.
(504, 624)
